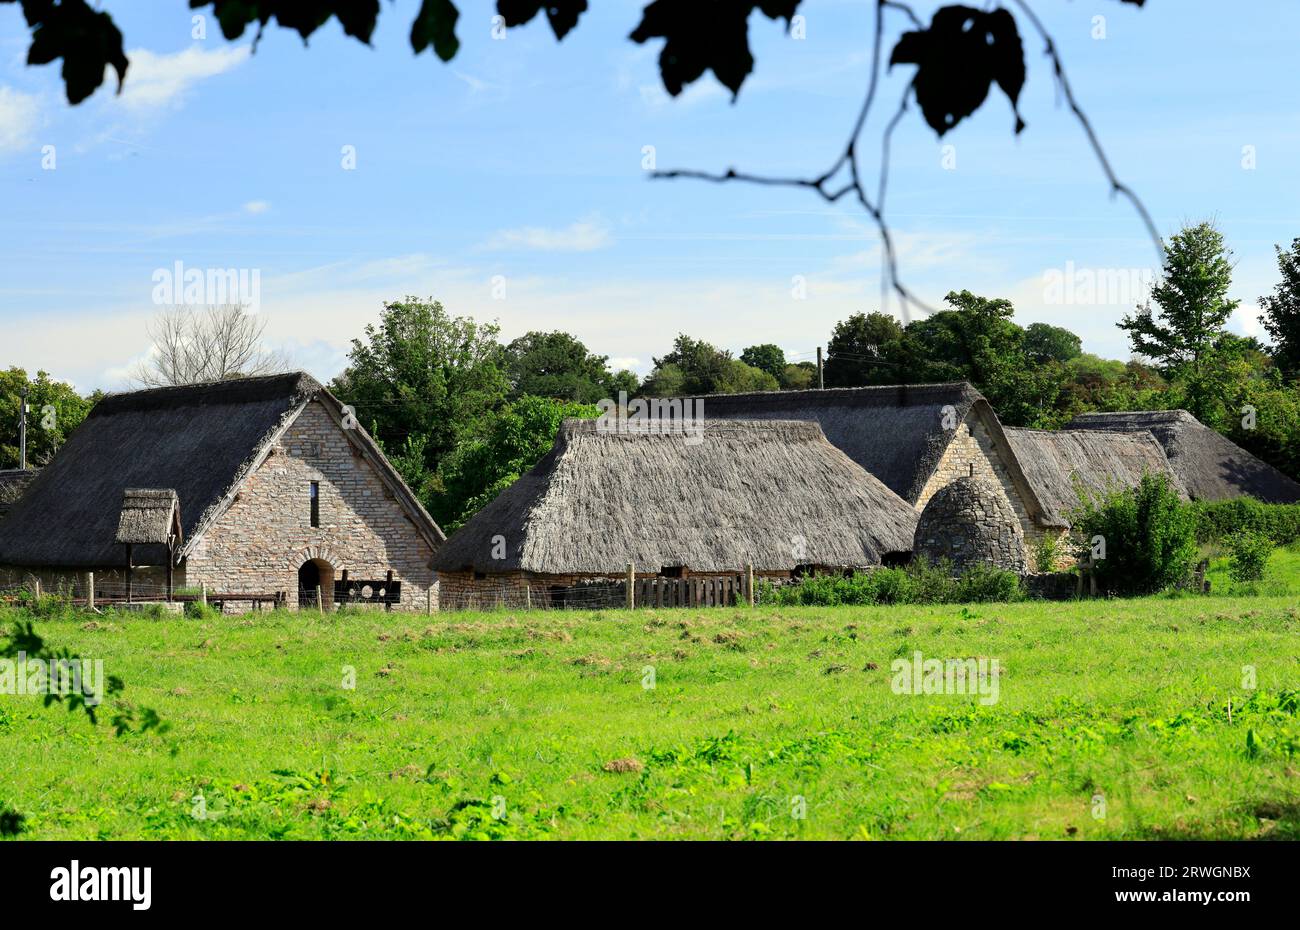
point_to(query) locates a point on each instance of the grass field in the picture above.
(1113, 721)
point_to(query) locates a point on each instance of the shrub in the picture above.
(1217, 520)
(1148, 533)
(919, 583)
(1047, 553)
(1248, 553)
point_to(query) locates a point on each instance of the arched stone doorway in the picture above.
(312, 574)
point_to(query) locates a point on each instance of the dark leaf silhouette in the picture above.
(705, 37)
(357, 17)
(563, 14)
(85, 39)
(962, 53)
(436, 26)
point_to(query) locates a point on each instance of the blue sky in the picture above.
(520, 164)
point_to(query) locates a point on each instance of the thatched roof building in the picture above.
(899, 433)
(150, 516)
(1210, 466)
(1059, 462)
(13, 483)
(201, 442)
(775, 495)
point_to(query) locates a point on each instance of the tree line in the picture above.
(462, 414)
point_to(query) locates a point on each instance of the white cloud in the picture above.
(154, 81)
(19, 114)
(628, 363)
(586, 235)
(256, 206)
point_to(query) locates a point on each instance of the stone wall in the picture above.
(266, 535)
(969, 521)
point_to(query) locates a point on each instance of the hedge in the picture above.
(1217, 520)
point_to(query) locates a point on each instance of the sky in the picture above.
(511, 183)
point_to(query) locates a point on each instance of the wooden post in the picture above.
(128, 573)
(821, 380)
(749, 583)
(36, 587)
(428, 600)
(320, 601)
(22, 428)
(528, 597)
(203, 594)
(90, 590)
(631, 592)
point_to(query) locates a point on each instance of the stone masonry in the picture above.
(265, 536)
(969, 521)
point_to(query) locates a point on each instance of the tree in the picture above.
(213, 344)
(558, 365)
(1282, 312)
(1192, 297)
(423, 377)
(799, 377)
(864, 349)
(513, 440)
(695, 367)
(766, 357)
(1046, 343)
(54, 410)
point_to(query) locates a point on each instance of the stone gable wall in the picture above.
(259, 544)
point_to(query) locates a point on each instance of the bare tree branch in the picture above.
(820, 184)
(213, 344)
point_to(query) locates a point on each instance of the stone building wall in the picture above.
(266, 535)
(969, 522)
(973, 443)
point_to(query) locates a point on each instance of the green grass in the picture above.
(756, 716)
(1281, 575)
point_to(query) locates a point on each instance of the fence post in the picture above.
(320, 601)
(428, 600)
(90, 590)
(631, 593)
(36, 587)
(749, 583)
(528, 597)
(203, 594)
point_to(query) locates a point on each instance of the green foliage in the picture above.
(918, 583)
(1046, 343)
(424, 379)
(864, 349)
(766, 357)
(1193, 307)
(512, 441)
(558, 365)
(1217, 520)
(799, 377)
(1248, 553)
(695, 367)
(1048, 551)
(1281, 312)
(1149, 537)
(54, 410)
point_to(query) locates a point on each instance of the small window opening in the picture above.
(315, 503)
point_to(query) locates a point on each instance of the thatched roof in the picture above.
(1098, 461)
(13, 482)
(896, 432)
(202, 441)
(774, 494)
(1210, 466)
(149, 516)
